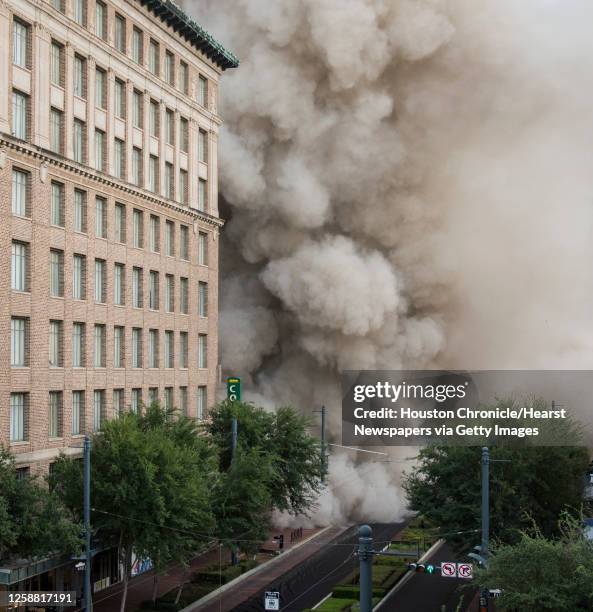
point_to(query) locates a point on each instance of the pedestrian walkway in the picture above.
(231, 596)
(140, 587)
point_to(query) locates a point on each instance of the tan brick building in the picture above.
(109, 233)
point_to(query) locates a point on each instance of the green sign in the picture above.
(233, 389)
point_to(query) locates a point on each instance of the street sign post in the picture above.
(449, 569)
(233, 389)
(272, 600)
(465, 570)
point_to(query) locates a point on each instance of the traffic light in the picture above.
(430, 569)
(418, 567)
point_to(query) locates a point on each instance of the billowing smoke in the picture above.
(409, 184)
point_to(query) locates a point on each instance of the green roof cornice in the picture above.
(193, 32)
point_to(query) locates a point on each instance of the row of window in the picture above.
(175, 74)
(19, 346)
(20, 281)
(171, 186)
(20, 409)
(21, 206)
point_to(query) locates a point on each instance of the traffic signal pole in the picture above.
(365, 556)
(88, 598)
(485, 520)
(234, 552)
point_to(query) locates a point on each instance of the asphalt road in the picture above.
(428, 593)
(310, 582)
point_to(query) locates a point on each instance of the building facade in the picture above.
(109, 233)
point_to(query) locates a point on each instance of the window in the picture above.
(169, 293)
(78, 147)
(20, 107)
(168, 398)
(56, 130)
(203, 91)
(19, 340)
(119, 344)
(169, 238)
(137, 167)
(56, 349)
(120, 33)
(136, 400)
(184, 242)
(202, 299)
(136, 347)
(170, 127)
(77, 412)
(79, 76)
(183, 190)
(153, 348)
(202, 197)
(56, 64)
(138, 109)
(120, 222)
(137, 287)
(119, 158)
(183, 400)
(18, 416)
(153, 290)
(101, 20)
(202, 351)
(20, 193)
(55, 414)
(184, 134)
(79, 277)
(183, 349)
(202, 401)
(138, 223)
(79, 10)
(100, 88)
(154, 234)
(153, 57)
(58, 5)
(183, 77)
(153, 395)
(203, 248)
(20, 44)
(79, 211)
(99, 150)
(57, 204)
(100, 217)
(78, 349)
(56, 273)
(183, 295)
(170, 68)
(100, 281)
(19, 266)
(153, 173)
(203, 146)
(119, 284)
(137, 46)
(98, 409)
(153, 116)
(169, 181)
(100, 340)
(119, 99)
(118, 402)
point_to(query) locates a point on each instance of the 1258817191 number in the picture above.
(41, 598)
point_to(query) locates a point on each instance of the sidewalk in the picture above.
(231, 596)
(140, 587)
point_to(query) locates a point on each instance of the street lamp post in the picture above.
(88, 599)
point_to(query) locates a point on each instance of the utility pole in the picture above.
(365, 556)
(88, 598)
(322, 445)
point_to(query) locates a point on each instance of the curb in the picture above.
(408, 575)
(196, 605)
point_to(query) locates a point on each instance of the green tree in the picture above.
(543, 481)
(150, 481)
(283, 437)
(537, 573)
(33, 521)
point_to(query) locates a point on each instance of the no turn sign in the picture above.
(449, 569)
(465, 570)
